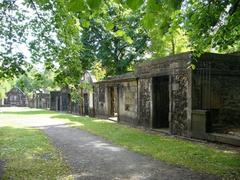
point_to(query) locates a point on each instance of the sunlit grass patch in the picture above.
(28, 154)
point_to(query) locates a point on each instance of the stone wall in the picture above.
(128, 102)
(229, 99)
(59, 101)
(220, 96)
(100, 99)
(42, 100)
(145, 102)
(53, 100)
(179, 92)
(179, 111)
(216, 87)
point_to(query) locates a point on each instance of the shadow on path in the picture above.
(92, 157)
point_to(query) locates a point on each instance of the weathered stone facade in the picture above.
(164, 93)
(60, 100)
(128, 102)
(15, 97)
(179, 105)
(144, 102)
(40, 99)
(86, 104)
(117, 98)
(216, 87)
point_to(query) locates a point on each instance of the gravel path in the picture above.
(92, 157)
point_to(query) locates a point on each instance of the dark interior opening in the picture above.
(112, 101)
(58, 104)
(160, 102)
(86, 105)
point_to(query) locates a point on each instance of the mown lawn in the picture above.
(28, 154)
(196, 156)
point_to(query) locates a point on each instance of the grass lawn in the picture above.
(27, 154)
(196, 156)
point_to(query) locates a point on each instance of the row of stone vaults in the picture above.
(166, 94)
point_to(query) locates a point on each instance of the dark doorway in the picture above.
(160, 102)
(86, 105)
(58, 103)
(112, 101)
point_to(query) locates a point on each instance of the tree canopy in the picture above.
(71, 36)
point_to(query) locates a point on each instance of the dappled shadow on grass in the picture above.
(29, 155)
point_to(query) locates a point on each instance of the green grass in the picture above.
(196, 156)
(28, 154)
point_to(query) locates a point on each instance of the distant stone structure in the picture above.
(15, 97)
(60, 100)
(87, 106)
(40, 99)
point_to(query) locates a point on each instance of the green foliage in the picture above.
(116, 45)
(212, 24)
(134, 4)
(98, 71)
(70, 36)
(94, 4)
(5, 86)
(77, 5)
(76, 95)
(35, 81)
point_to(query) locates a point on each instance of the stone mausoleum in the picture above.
(166, 95)
(60, 100)
(15, 97)
(40, 99)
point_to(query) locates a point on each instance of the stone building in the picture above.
(167, 95)
(15, 97)
(116, 98)
(86, 103)
(40, 99)
(60, 100)
(84, 106)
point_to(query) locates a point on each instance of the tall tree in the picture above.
(213, 25)
(69, 35)
(116, 39)
(12, 32)
(35, 81)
